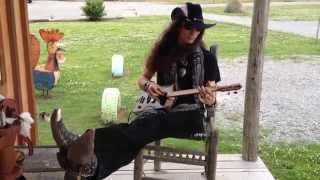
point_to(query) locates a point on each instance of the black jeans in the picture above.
(118, 144)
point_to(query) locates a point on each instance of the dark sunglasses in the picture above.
(189, 25)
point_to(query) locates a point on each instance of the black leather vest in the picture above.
(192, 64)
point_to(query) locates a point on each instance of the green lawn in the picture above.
(292, 162)
(290, 12)
(87, 71)
(209, 1)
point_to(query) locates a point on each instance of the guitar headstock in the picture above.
(231, 87)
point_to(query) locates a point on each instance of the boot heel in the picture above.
(68, 176)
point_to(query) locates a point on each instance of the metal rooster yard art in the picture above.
(46, 76)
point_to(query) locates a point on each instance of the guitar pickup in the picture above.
(142, 99)
(153, 100)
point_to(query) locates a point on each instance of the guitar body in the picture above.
(146, 102)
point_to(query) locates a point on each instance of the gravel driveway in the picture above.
(290, 98)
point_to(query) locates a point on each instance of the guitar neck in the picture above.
(231, 87)
(183, 92)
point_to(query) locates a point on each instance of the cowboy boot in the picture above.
(81, 152)
(61, 135)
(78, 158)
(76, 153)
(68, 176)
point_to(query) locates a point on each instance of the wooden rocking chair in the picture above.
(159, 153)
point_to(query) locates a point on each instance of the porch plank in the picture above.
(43, 159)
(229, 167)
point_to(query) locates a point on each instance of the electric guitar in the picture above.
(146, 102)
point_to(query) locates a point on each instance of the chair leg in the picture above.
(138, 166)
(212, 156)
(157, 162)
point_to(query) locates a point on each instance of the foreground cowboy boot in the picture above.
(76, 154)
(61, 135)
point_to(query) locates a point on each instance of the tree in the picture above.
(234, 6)
(94, 9)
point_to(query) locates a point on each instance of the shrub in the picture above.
(94, 9)
(234, 6)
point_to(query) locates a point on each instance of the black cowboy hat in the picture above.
(191, 14)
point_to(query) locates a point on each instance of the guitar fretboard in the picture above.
(231, 87)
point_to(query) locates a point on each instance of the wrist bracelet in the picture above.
(146, 85)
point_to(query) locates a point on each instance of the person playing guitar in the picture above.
(180, 58)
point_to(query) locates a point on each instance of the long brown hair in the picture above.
(166, 50)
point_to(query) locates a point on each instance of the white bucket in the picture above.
(117, 65)
(111, 101)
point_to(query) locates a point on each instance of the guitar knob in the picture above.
(153, 100)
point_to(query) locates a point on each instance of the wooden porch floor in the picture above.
(230, 167)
